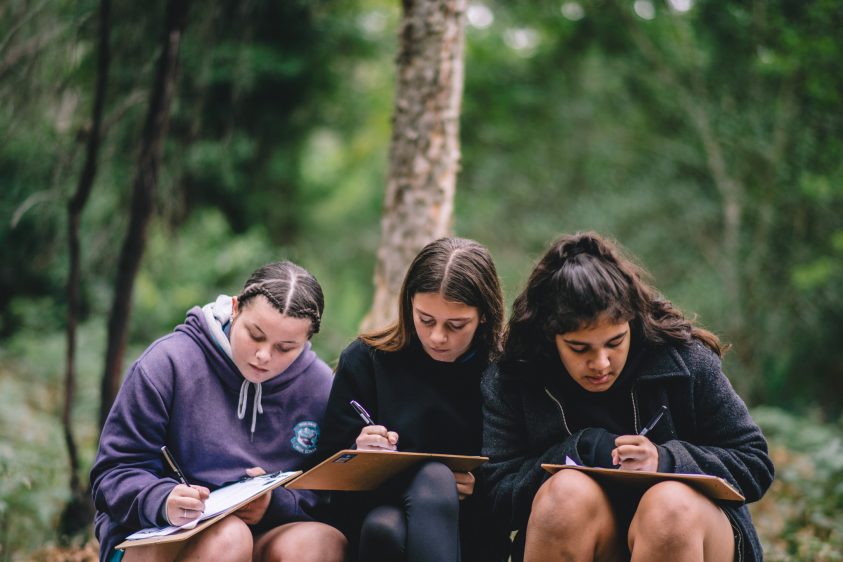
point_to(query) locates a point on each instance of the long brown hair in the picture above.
(584, 277)
(460, 270)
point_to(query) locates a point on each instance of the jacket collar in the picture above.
(662, 363)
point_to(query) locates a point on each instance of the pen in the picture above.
(361, 411)
(649, 427)
(172, 462)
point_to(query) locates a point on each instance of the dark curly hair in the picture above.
(581, 279)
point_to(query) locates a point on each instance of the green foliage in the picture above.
(34, 472)
(800, 517)
(648, 124)
(30, 493)
(693, 136)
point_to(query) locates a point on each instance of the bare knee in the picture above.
(668, 513)
(229, 539)
(305, 542)
(564, 501)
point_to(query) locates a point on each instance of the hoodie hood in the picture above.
(208, 327)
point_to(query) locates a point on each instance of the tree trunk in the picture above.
(424, 148)
(143, 191)
(78, 511)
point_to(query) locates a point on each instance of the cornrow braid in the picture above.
(315, 318)
(255, 290)
(290, 289)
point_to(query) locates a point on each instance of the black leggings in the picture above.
(419, 524)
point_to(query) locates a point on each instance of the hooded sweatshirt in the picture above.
(184, 392)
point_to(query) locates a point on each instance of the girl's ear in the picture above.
(235, 307)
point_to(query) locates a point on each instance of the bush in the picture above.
(800, 517)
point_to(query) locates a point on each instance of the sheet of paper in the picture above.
(219, 501)
(570, 461)
(231, 495)
(153, 532)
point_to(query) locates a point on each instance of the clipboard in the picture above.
(181, 534)
(363, 471)
(712, 486)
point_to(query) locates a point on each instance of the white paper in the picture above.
(570, 461)
(219, 501)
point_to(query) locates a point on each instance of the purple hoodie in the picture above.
(183, 392)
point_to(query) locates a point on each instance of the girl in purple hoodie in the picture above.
(233, 391)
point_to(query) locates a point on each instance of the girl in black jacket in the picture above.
(591, 354)
(420, 381)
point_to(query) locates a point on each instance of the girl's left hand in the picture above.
(465, 484)
(635, 452)
(253, 512)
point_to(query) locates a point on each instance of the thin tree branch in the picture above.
(75, 206)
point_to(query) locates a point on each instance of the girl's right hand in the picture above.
(377, 438)
(186, 504)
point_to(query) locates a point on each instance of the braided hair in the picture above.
(291, 290)
(582, 279)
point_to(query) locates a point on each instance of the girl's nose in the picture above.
(262, 354)
(438, 335)
(601, 361)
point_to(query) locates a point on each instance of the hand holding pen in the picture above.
(373, 436)
(637, 452)
(186, 503)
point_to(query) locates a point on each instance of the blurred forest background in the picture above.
(706, 136)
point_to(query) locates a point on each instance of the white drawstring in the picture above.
(257, 408)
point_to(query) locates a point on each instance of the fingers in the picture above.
(465, 484)
(190, 497)
(634, 452)
(187, 516)
(377, 437)
(253, 512)
(255, 471)
(186, 504)
(629, 452)
(464, 477)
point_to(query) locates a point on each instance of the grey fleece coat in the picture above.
(708, 430)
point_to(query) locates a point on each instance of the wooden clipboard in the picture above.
(363, 471)
(185, 534)
(712, 486)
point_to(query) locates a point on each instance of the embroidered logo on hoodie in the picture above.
(305, 437)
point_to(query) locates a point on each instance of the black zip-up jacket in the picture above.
(707, 430)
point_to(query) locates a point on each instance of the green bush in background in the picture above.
(801, 518)
(581, 114)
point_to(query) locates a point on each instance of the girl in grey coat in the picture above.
(592, 353)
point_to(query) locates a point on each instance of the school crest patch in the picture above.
(305, 437)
